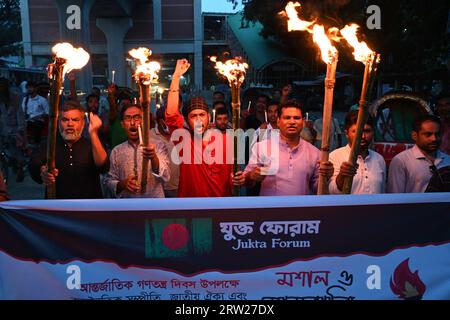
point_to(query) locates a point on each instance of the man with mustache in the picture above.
(198, 178)
(124, 177)
(369, 173)
(79, 161)
(222, 118)
(411, 170)
(290, 167)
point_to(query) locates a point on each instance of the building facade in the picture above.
(108, 29)
(270, 64)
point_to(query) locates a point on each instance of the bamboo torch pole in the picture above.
(363, 114)
(145, 74)
(144, 96)
(330, 81)
(236, 106)
(234, 70)
(56, 77)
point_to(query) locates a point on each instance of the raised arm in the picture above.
(285, 92)
(98, 151)
(174, 91)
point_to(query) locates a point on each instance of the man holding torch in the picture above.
(198, 179)
(370, 170)
(78, 161)
(123, 179)
(286, 164)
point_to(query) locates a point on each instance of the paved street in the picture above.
(26, 190)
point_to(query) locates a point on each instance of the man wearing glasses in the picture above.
(411, 170)
(124, 177)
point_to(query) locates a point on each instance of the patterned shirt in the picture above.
(172, 184)
(126, 160)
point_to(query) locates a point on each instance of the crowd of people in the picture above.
(99, 150)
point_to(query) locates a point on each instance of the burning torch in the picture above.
(145, 74)
(234, 71)
(67, 58)
(330, 56)
(371, 60)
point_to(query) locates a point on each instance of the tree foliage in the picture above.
(10, 26)
(414, 35)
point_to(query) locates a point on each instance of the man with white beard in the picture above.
(78, 161)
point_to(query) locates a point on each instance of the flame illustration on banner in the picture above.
(405, 284)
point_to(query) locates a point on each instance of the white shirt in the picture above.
(35, 107)
(409, 171)
(370, 177)
(126, 160)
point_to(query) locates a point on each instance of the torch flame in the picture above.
(140, 54)
(324, 43)
(145, 70)
(361, 52)
(234, 69)
(76, 58)
(328, 51)
(294, 22)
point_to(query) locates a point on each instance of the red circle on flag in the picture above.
(175, 236)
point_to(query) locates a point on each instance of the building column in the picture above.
(198, 44)
(115, 30)
(157, 20)
(26, 35)
(77, 37)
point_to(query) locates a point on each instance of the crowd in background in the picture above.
(108, 124)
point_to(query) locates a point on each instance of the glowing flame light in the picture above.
(234, 69)
(324, 43)
(76, 58)
(361, 51)
(146, 71)
(328, 51)
(294, 22)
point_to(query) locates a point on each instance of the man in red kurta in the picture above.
(198, 176)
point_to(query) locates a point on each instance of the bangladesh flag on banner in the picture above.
(166, 238)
